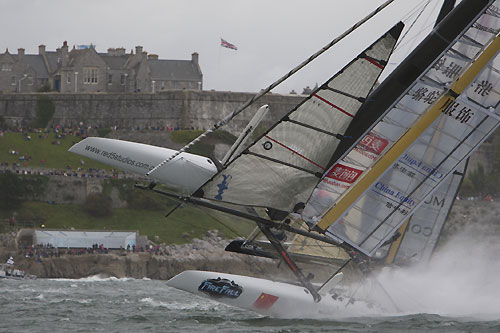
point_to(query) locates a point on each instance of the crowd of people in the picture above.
(43, 251)
(24, 163)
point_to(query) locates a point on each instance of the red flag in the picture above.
(265, 301)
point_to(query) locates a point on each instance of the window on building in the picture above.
(122, 79)
(110, 78)
(68, 78)
(30, 80)
(6, 67)
(13, 80)
(90, 75)
(162, 85)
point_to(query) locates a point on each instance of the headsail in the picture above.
(282, 167)
(422, 232)
(437, 123)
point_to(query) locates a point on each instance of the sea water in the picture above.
(457, 292)
(128, 305)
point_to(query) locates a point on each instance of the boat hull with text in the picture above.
(266, 297)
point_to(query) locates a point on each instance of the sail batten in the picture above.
(282, 167)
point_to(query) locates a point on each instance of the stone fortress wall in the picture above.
(184, 109)
(176, 109)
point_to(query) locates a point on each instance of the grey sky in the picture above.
(272, 36)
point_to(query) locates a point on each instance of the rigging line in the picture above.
(411, 26)
(413, 11)
(427, 20)
(273, 85)
(220, 222)
(412, 39)
(336, 272)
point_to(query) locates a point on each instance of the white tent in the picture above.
(85, 239)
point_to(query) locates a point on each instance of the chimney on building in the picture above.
(119, 51)
(194, 58)
(153, 56)
(41, 49)
(138, 50)
(20, 55)
(111, 51)
(64, 53)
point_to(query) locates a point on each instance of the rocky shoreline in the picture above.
(208, 253)
(200, 254)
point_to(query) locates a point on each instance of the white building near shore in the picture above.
(85, 239)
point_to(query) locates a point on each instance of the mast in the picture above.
(446, 8)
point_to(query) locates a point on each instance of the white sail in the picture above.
(422, 233)
(444, 116)
(282, 168)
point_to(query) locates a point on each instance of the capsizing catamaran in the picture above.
(346, 168)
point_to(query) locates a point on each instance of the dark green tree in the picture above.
(478, 179)
(45, 109)
(98, 205)
(11, 191)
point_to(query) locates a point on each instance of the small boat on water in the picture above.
(8, 271)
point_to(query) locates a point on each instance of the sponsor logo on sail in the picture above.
(395, 195)
(344, 173)
(420, 166)
(373, 143)
(220, 288)
(223, 186)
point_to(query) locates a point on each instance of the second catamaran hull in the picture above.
(266, 297)
(187, 172)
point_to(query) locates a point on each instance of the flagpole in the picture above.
(272, 86)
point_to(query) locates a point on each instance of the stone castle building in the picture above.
(84, 70)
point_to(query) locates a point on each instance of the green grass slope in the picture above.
(180, 227)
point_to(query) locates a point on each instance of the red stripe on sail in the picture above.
(379, 65)
(333, 105)
(293, 151)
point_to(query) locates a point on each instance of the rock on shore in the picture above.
(209, 254)
(206, 254)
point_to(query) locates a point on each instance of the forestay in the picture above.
(444, 116)
(283, 166)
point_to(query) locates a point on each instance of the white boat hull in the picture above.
(187, 172)
(266, 297)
